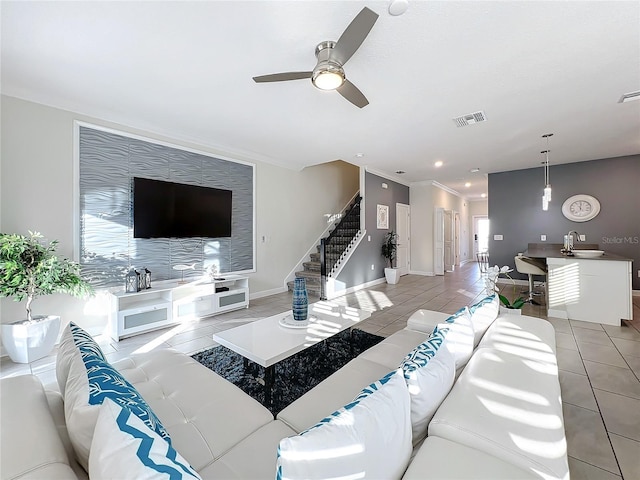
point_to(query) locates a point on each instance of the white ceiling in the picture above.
(184, 69)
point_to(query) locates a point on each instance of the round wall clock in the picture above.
(581, 208)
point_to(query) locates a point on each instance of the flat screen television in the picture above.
(177, 210)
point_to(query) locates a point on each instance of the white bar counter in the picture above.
(589, 289)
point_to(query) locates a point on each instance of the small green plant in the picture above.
(491, 284)
(390, 247)
(517, 303)
(29, 268)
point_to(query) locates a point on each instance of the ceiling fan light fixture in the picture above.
(328, 77)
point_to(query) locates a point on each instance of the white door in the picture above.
(438, 241)
(402, 228)
(480, 234)
(456, 239)
(448, 241)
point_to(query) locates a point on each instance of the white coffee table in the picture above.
(267, 342)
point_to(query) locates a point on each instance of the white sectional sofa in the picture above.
(501, 420)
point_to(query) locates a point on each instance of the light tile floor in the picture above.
(599, 364)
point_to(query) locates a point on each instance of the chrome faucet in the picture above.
(568, 241)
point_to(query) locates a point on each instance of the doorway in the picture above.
(480, 234)
(403, 226)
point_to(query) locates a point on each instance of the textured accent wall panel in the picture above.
(108, 163)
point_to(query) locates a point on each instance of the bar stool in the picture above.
(483, 261)
(530, 267)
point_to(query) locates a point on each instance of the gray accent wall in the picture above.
(107, 164)
(358, 269)
(515, 208)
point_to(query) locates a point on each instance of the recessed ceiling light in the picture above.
(474, 170)
(438, 164)
(359, 155)
(400, 172)
(484, 195)
(398, 7)
(467, 184)
(628, 97)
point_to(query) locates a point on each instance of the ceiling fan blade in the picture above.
(282, 77)
(354, 35)
(349, 91)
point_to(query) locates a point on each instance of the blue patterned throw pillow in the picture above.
(429, 371)
(86, 379)
(483, 315)
(85, 343)
(106, 382)
(124, 447)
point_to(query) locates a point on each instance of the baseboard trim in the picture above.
(267, 293)
(424, 274)
(332, 294)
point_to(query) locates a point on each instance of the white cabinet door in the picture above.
(232, 299)
(140, 319)
(195, 307)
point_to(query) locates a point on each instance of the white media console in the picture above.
(171, 302)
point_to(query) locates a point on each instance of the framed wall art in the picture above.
(382, 217)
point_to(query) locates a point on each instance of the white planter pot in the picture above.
(28, 341)
(392, 275)
(510, 311)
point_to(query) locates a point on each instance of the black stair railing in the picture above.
(333, 246)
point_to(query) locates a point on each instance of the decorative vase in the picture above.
(300, 304)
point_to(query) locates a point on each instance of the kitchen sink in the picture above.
(588, 253)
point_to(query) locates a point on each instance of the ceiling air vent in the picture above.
(470, 119)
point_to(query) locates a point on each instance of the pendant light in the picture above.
(546, 195)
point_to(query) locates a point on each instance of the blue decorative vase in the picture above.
(300, 305)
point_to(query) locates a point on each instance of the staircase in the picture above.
(336, 246)
(311, 273)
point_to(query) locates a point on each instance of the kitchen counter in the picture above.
(596, 289)
(554, 252)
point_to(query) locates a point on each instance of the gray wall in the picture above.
(358, 269)
(108, 163)
(515, 208)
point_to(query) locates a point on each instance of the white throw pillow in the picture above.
(483, 314)
(429, 372)
(368, 438)
(458, 338)
(124, 447)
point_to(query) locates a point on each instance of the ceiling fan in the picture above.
(328, 73)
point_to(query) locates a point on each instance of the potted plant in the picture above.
(389, 250)
(491, 286)
(30, 268)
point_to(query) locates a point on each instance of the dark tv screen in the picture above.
(177, 210)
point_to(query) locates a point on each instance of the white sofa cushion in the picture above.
(31, 447)
(368, 438)
(425, 320)
(526, 336)
(429, 372)
(394, 348)
(194, 404)
(507, 406)
(261, 447)
(124, 447)
(483, 314)
(441, 459)
(332, 393)
(90, 380)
